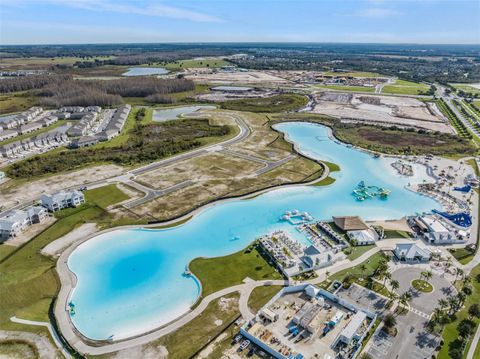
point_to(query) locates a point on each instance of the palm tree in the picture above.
(395, 285)
(458, 272)
(363, 268)
(428, 275)
(443, 303)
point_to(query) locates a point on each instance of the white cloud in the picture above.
(159, 10)
(376, 12)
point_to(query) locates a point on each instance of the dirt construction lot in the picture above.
(221, 77)
(388, 110)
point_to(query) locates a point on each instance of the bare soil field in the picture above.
(13, 192)
(249, 77)
(386, 110)
(225, 96)
(209, 167)
(204, 191)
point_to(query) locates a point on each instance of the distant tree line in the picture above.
(60, 90)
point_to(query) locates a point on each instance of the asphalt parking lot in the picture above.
(422, 302)
(412, 340)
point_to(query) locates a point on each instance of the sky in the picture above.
(157, 21)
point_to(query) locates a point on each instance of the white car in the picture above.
(244, 345)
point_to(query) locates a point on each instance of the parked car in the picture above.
(237, 338)
(244, 345)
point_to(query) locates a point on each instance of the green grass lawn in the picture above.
(403, 87)
(462, 255)
(355, 252)
(347, 88)
(422, 285)
(28, 281)
(261, 295)
(371, 265)
(222, 272)
(325, 182)
(106, 196)
(396, 234)
(450, 332)
(5, 250)
(277, 103)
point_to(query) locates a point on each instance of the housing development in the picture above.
(235, 200)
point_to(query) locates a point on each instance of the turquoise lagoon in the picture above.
(130, 281)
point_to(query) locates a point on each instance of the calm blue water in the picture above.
(130, 281)
(172, 113)
(145, 71)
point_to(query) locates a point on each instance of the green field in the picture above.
(185, 64)
(422, 285)
(16, 102)
(222, 272)
(277, 103)
(348, 88)
(450, 333)
(105, 196)
(403, 87)
(466, 88)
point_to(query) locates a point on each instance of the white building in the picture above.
(62, 199)
(17, 221)
(363, 237)
(411, 253)
(437, 232)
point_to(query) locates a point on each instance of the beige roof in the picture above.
(350, 223)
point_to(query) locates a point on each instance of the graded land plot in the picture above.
(202, 192)
(23, 191)
(186, 341)
(209, 167)
(263, 141)
(354, 74)
(347, 88)
(206, 75)
(403, 87)
(387, 110)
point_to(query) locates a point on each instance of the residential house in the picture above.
(62, 199)
(30, 127)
